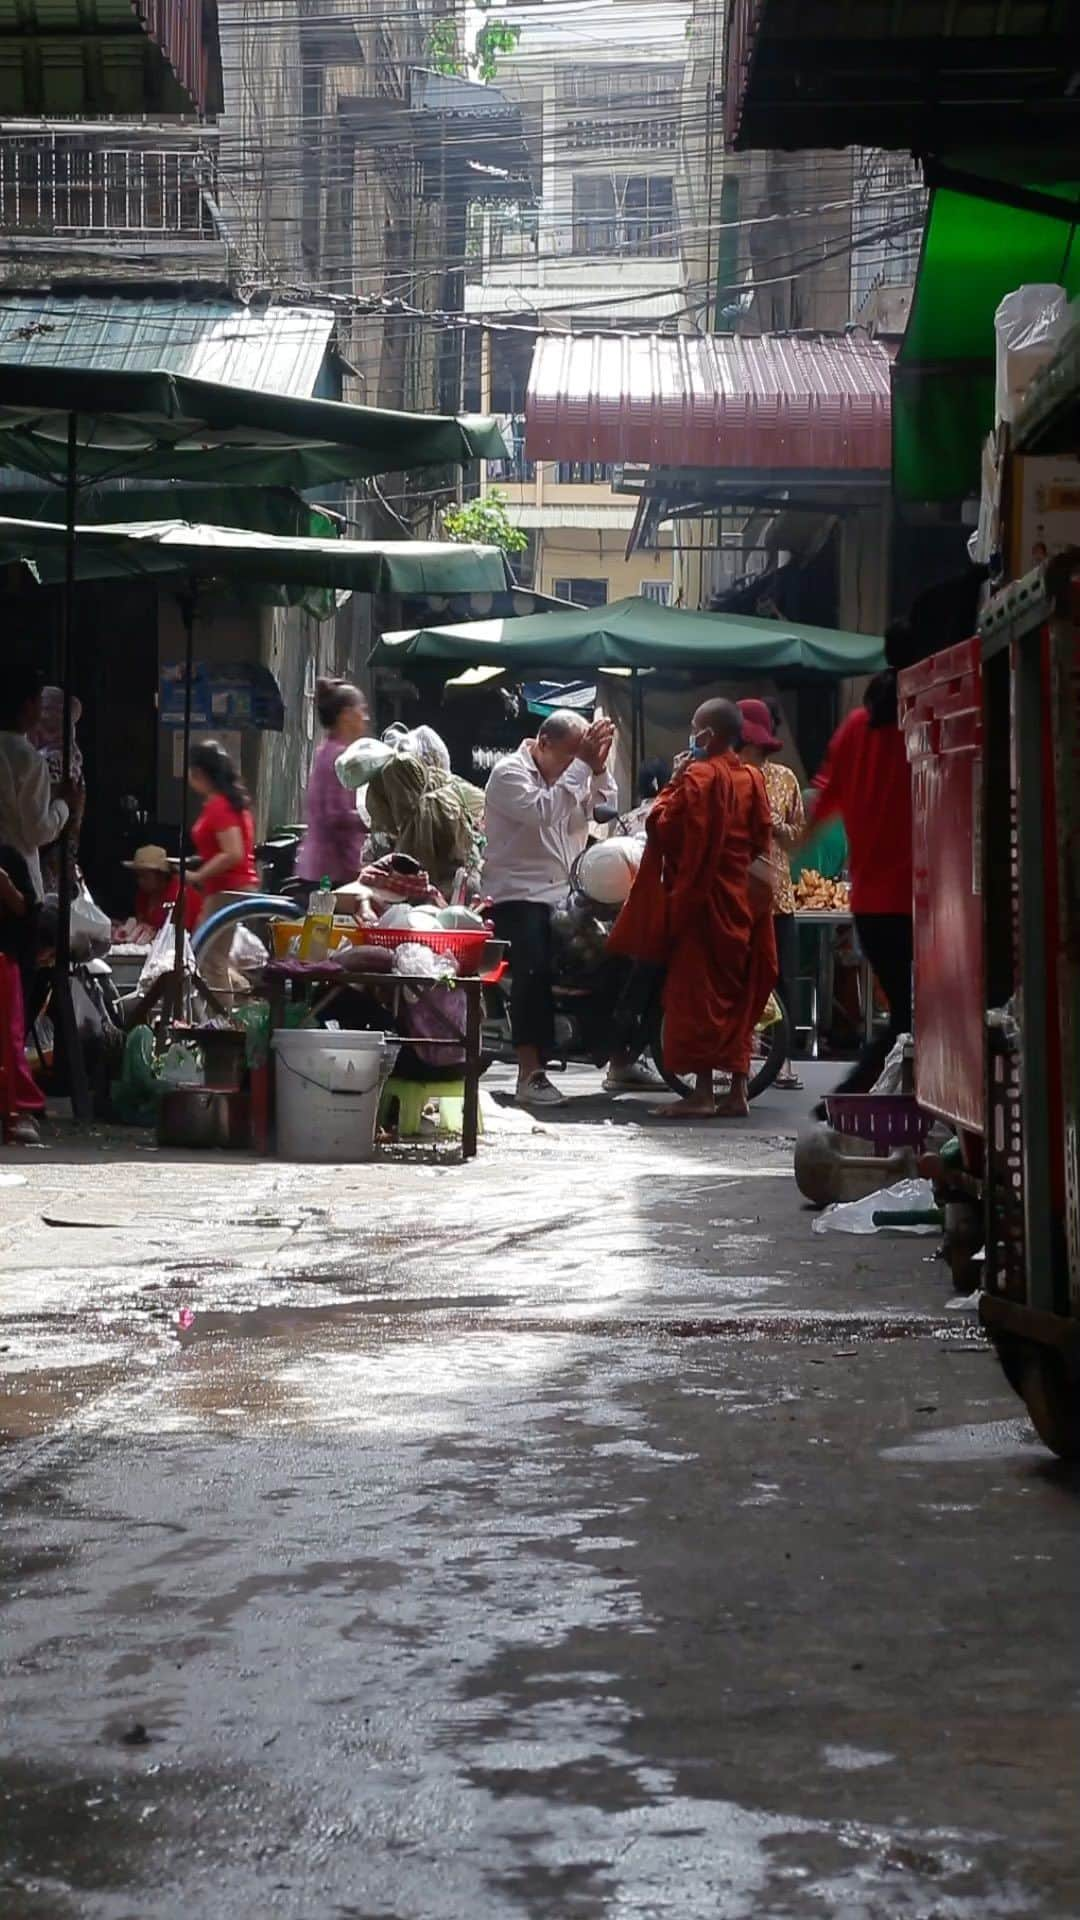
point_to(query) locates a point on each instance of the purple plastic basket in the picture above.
(887, 1119)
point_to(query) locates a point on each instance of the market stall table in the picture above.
(330, 980)
(826, 922)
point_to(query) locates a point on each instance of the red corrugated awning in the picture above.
(781, 401)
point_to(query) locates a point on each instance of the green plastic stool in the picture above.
(410, 1097)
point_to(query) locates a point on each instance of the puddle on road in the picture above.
(992, 1440)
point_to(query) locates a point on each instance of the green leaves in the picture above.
(484, 522)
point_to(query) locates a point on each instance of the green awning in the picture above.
(277, 510)
(169, 427)
(234, 553)
(975, 251)
(639, 633)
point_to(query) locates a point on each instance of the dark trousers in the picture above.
(888, 942)
(787, 962)
(526, 925)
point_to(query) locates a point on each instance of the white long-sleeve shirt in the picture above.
(536, 831)
(29, 816)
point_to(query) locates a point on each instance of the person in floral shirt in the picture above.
(760, 742)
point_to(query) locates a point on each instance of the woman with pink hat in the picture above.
(760, 741)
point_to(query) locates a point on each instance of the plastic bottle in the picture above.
(318, 923)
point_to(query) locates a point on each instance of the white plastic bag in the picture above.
(857, 1216)
(247, 953)
(361, 762)
(1028, 327)
(91, 930)
(891, 1077)
(160, 957)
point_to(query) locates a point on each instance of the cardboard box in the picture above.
(1045, 516)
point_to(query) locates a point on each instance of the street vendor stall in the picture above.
(74, 424)
(201, 555)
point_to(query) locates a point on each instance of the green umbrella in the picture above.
(638, 633)
(136, 549)
(166, 426)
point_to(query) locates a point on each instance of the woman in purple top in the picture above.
(335, 837)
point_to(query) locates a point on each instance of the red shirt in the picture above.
(215, 819)
(867, 781)
(151, 912)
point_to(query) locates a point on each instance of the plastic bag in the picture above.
(857, 1216)
(91, 930)
(1028, 327)
(891, 1077)
(361, 762)
(181, 1066)
(160, 958)
(247, 953)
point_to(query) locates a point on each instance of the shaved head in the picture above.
(562, 725)
(723, 720)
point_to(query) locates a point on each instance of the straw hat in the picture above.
(149, 860)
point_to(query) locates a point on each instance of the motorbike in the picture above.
(603, 1004)
(276, 859)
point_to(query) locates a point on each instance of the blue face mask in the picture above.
(698, 752)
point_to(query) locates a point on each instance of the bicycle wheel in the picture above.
(763, 1071)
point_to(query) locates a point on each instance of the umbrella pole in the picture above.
(637, 728)
(64, 1025)
(187, 610)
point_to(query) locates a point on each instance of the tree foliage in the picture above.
(485, 522)
(494, 38)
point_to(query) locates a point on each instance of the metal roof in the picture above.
(791, 401)
(627, 307)
(593, 519)
(269, 349)
(105, 57)
(983, 76)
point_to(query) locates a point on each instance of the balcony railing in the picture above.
(66, 184)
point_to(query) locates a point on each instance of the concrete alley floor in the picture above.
(571, 1534)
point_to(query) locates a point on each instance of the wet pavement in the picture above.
(571, 1534)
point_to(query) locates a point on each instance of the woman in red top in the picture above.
(866, 780)
(224, 836)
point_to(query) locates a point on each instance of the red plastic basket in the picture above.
(465, 946)
(887, 1119)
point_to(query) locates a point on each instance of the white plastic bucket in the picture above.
(327, 1087)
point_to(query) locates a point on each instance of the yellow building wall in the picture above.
(566, 553)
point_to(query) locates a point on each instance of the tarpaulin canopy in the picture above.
(640, 633)
(975, 250)
(235, 553)
(167, 426)
(278, 510)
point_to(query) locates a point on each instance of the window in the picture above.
(624, 110)
(587, 593)
(624, 213)
(588, 473)
(658, 590)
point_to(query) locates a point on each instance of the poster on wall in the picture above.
(232, 696)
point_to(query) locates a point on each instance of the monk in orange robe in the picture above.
(691, 911)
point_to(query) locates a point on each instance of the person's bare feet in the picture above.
(736, 1104)
(733, 1107)
(695, 1107)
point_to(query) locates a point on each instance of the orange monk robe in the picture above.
(689, 909)
(762, 970)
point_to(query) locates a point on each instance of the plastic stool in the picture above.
(411, 1097)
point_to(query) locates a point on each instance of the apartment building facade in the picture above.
(601, 93)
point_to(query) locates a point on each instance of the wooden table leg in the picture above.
(470, 1120)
